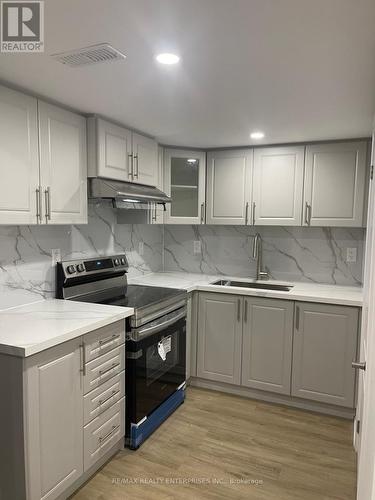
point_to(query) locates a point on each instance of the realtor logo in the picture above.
(22, 26)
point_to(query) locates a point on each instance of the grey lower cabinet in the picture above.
(267, 344)
(325, 344)
(63, 411)
(291, 348)
(219, 337)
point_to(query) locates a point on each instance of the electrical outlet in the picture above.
(141, 248)
(351, 255)
(55, 255)
(197, 248)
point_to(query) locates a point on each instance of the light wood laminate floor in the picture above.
(228, 447)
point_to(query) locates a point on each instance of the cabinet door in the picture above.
(335, 184)
(278, 186)
(184, 181)
(267, 344)
(220, 337)
(229, 179)
(325, 342)
(145, 158)
(63, 165)
(54, 420)
(19, 158)
(114, 151)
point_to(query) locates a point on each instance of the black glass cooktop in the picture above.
(136, 296)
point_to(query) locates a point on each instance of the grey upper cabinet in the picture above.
(229, 185)
(19, 158)
(278, 185)
(219, 337)
(267, 344)
(325, 343)
(145, 160)
(42, 161)
(185, 182)
(117, 153)
(334, 192)
(63, 165)
(54, 420)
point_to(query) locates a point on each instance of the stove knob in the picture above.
(117, 262)
(123, 262)
(71, 269)
(80, 268)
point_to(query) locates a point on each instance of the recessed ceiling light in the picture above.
(192, 161)
(257, 135)
(167, 58)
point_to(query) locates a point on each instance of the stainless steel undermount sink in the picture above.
(249, 284)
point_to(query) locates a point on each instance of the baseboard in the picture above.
(269, 397)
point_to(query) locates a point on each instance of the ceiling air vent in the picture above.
(103, 52)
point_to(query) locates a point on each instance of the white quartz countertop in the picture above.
(307, 292)
(32, 328)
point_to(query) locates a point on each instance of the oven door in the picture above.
(156, 363)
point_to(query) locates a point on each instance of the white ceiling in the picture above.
(296, 69)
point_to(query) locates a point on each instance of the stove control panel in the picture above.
(83, 267)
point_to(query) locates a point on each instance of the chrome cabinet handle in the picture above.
(297, 318)
(112, 367)
(104, 401)
(254, 205)
(308, 214)
(38, 205)
(130, 170)
(245, 311)
(106, 341)
(109, 434)
(359, 365)
(247, 213)
(202, 213)
(47, 199)
(136, 170)
(154, 217)
(239, 310)
(83, 358)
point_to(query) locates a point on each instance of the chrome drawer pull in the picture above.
(104, 342)
(104, 401)
(112, 367)
(107, 436)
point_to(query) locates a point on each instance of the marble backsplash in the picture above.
(26, 273)
(296, 254)
(289, 253)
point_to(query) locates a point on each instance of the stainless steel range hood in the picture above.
(126, 194)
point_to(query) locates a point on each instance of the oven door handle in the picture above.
(160, 324)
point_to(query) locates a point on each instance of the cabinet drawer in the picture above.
(102, 369)
(105, 339)
(103, 433)
(103, 397)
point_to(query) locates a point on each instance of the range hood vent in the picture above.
(126, 194)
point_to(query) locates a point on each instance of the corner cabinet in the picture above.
(54, 408)
(325, 344)
(185, 182)
(120, 154)
(63, 417)
(43, 162)
(229, 185)
(334, 193)
(278, 186)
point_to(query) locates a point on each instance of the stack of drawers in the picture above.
(104, 391)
